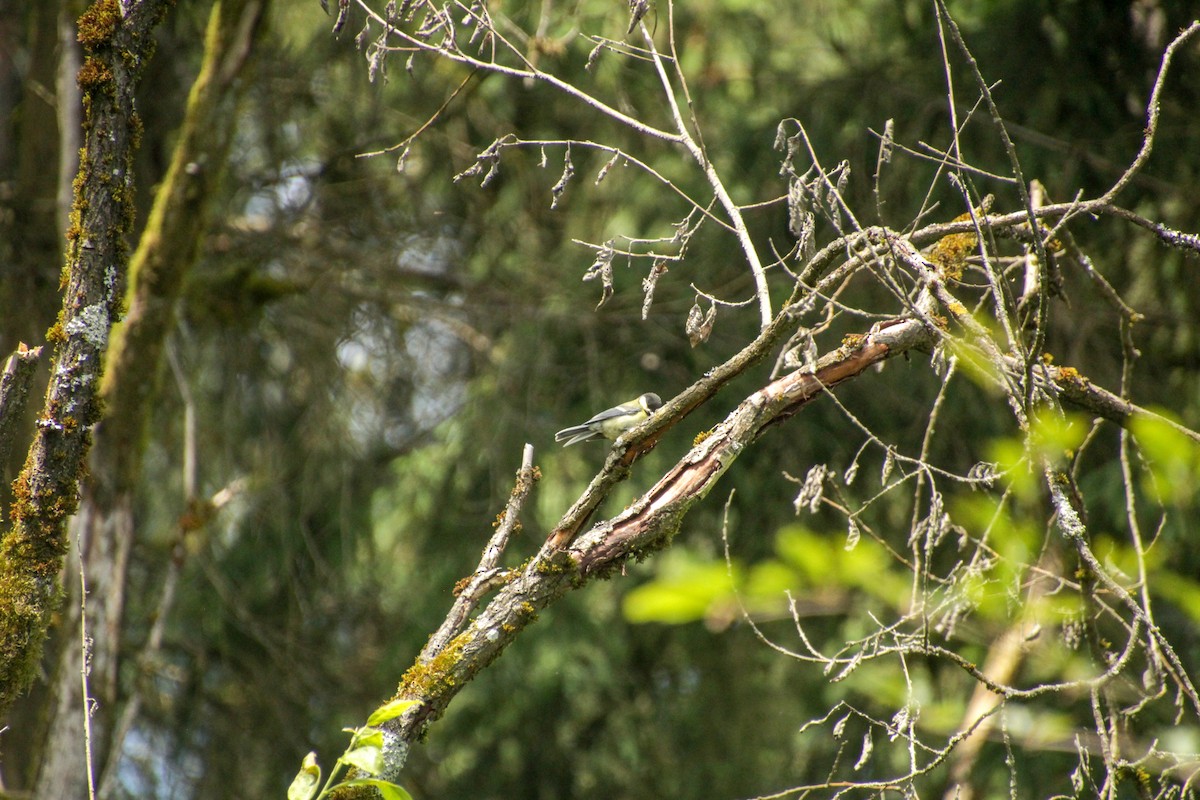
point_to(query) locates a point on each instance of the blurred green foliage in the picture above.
(586, 704)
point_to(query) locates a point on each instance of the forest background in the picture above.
(343, 349)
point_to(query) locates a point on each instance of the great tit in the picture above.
(611, 423)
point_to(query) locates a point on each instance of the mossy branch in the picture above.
(167, 248)
(646, 526)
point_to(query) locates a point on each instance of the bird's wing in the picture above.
(615, 411)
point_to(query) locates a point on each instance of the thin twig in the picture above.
(749, 251)
(1152, 110)
(456, 55)
(88, 704)
(487, 574)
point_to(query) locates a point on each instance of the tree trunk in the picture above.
(104, 528)
(31, 553)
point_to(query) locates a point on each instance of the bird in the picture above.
(611, 423)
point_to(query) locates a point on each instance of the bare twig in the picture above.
(1075, 532)
(749, 251)
(1152, 109)
(488, 574)
(1039, 332)
(87, 707)
(452, 53)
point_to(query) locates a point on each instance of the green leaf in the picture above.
(1055, 436)
(770, 579)
(803, 550)
(368, 758)
(1172, 459)
(388, 790)
(823, 561)
(1009, 455)
(684, 591)
(367, 737)
(389, 710)
(1180, 590)
(307, 781)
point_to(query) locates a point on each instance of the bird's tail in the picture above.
(576, 434)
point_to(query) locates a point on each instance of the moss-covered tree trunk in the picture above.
(105, 527)
(117, 43)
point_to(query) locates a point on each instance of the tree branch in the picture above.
(761, 289)
(14, 391)
(168, 247)
(1080, 391)
(447, 48)
(647, 525)
(488, 574)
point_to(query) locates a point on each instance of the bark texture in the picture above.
(105, 527)
(31, 554)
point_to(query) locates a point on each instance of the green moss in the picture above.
(136, 129)
(37, 528)
(55, 334)
(604, 572)
(20, 506)
(94, 75)
(853, 341)
(434, 677)
(22, 630)
(552, 566)
(99, 23)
